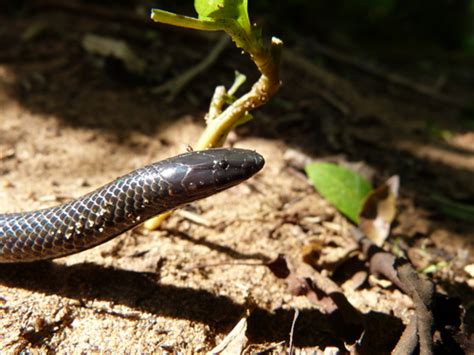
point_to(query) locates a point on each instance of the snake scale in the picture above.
(122, 204)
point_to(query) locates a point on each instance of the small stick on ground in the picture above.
(402, 274)
(177, 84)
(421, 291)
(409, 339)
(194, 217)
(303, 280)
(350, 314)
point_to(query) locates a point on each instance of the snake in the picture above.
(122, 204)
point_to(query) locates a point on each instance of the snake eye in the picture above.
(224, 164)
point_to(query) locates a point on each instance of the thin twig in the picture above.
(260, 93)
(380, 262)
(350, 314)
(176, 85)
(402, 274)
(421, 291)
(209, 265)
(409, 339)
(217, 103)
(292, 331)
(193, 217)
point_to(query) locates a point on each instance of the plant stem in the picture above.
(261, 92)
(171, 18)
(267, 61)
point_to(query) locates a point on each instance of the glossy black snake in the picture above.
(122, 204)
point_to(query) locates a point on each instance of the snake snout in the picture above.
(235, 166)
(215, 170)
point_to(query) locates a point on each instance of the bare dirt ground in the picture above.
(71, 121)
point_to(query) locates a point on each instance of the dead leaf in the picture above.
(379, 211)
(110, 47)
(234, 342)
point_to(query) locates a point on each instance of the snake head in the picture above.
(199, 174)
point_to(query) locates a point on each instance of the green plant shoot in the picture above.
(230, 16)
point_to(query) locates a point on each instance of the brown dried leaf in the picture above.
(234, 342)
(118, 49)
(379, 211)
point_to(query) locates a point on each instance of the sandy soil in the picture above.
(69, 123)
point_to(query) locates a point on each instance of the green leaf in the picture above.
(230, 16)
(224, 10)
(345, 189)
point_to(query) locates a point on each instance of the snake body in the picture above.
(122, 204)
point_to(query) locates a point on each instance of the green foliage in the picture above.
(230, 16)
(345, 189)
(210, 10)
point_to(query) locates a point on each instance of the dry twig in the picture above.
(303, 280)
(292, 332)
(176, 85)
(402, 274)
(409, 339)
